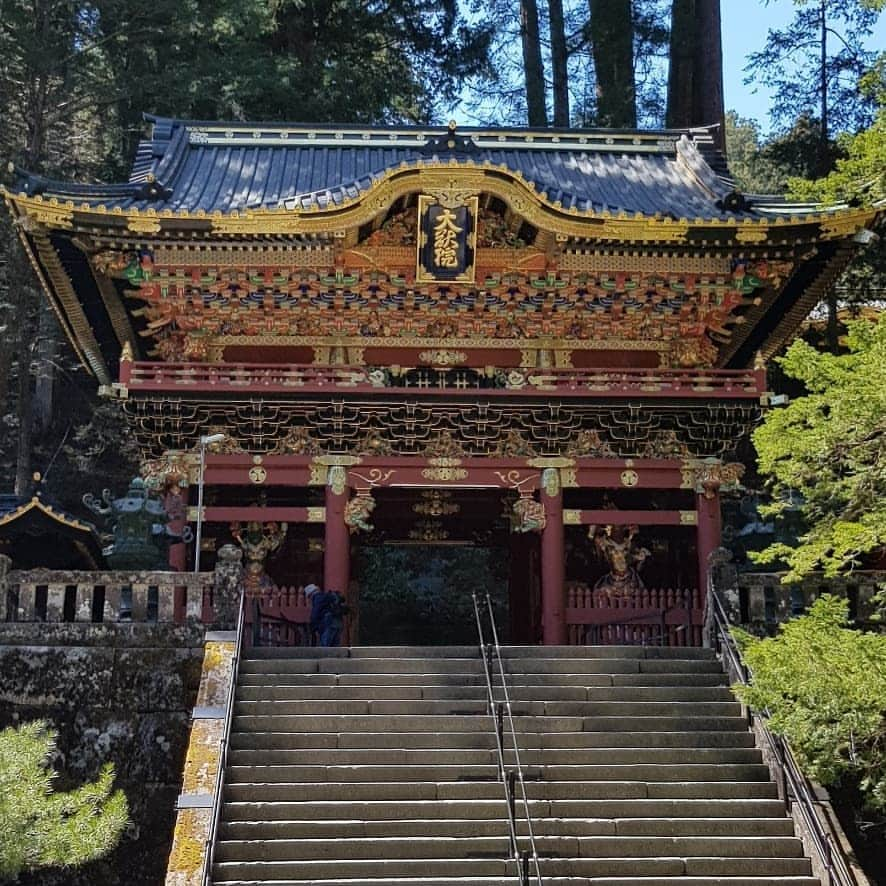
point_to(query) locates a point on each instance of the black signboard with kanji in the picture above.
(447, 240)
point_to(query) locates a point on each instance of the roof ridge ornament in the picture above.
(450, 142)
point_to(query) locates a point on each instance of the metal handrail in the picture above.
(515, 775)
(796, 789)
(217, 803)
(497, 727)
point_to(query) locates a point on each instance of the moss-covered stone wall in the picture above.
(118, 692)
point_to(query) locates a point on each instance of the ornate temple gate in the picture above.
(568, 319)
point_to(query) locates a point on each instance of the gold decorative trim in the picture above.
(317, 475)
(116, 312)
(569, 478)
(550, 481)
(64, 291)
(316, 515)
(571, 517)
(689, 518)
(424, 176)
(629, 478)
(443, 357)
(554, 461)
(529, 353)
(144, 224)
(342, 461)
(35, 503)
(444, 475)
(258, 474)
(337, 479)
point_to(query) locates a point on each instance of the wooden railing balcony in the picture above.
(264, 378)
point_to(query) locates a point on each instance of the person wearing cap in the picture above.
(327, 614)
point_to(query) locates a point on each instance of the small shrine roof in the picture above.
(192, 167)
(31, 530)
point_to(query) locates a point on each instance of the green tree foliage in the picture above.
(825, 451)
(40, 827)
(860, 173)
(824, 688)
(814, 66)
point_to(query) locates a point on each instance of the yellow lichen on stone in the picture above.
(216, 676)
(201, 763)
(188, 847)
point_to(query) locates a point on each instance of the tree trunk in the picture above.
(709, 81)
(45, 369)
(695, 74)
(612, 44)
(558, 63)
(535, 79)
(823, 87)
(832, 331)
(24, 414)
(681, 70)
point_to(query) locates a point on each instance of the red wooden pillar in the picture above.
(337, 547)
(709, 530)
(553, 604)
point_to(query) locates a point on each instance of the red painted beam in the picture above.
(629, 518)
(214, 514)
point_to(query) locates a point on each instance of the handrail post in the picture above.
(500, 729)
(524, 868)
(512, 809)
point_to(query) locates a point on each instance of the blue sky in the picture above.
(745, 23)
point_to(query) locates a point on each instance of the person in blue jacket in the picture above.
(328, 609)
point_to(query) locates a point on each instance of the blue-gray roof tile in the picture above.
(224, 167)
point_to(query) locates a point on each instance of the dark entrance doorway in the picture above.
(429, 551)
(421, 594)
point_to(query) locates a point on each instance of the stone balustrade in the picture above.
(43, 595)
(759, 601)
(113, 596)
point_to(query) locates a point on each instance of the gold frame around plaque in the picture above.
(469, 275)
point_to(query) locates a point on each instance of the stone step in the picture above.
(458, 846)
(477, 693)
(528, 756)
(548, 881)
(479, 723)
(531, 652)
(474, 666)
(655, 772)
(283, 678)
(638, 811)
(479, 739)
(415, 869)
(497, 826)
(584, 709)
(268, 792)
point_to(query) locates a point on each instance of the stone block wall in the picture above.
(115, 692)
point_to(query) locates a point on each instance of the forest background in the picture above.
(76, 77)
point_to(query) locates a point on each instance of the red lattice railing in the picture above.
(649, 617)
(291, 378)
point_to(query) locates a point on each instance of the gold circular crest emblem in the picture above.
(629, 478)
(258, 474)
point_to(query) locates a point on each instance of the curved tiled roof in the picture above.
(225, 167)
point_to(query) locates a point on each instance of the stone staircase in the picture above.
(377, 765)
